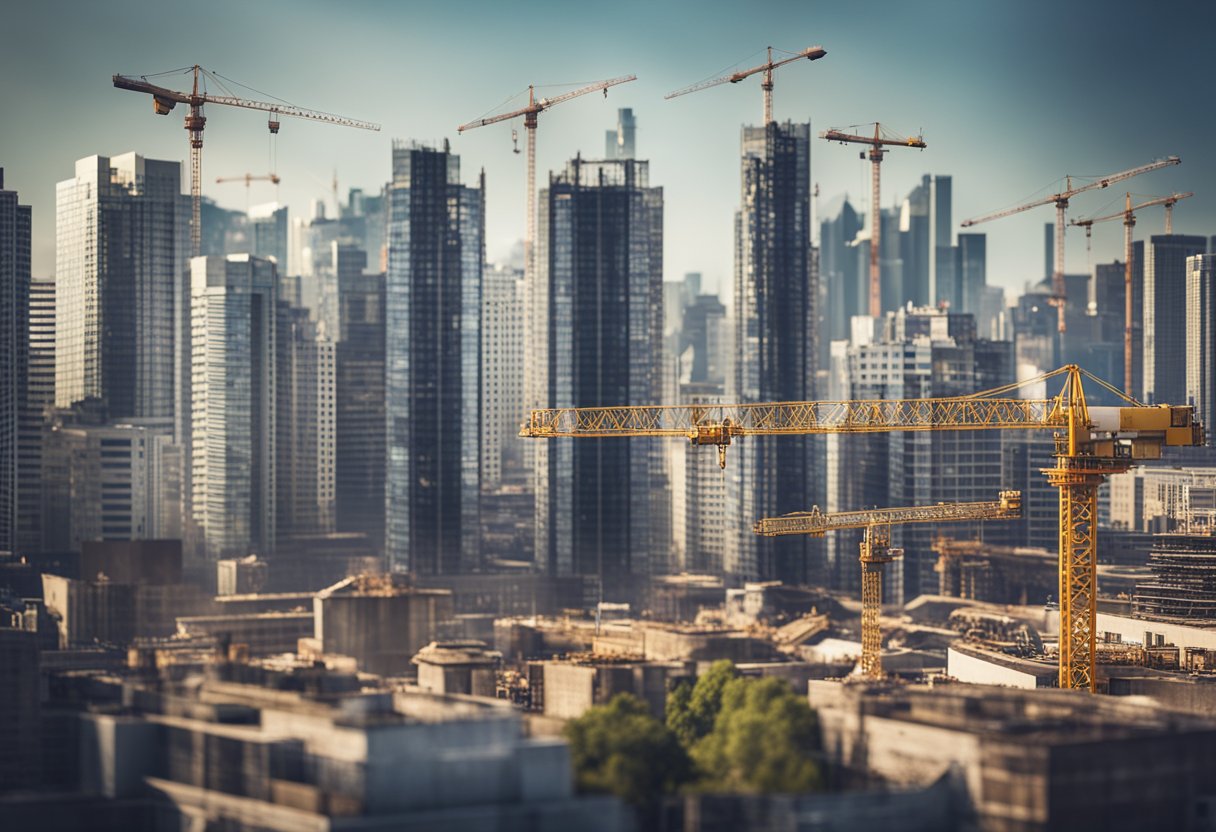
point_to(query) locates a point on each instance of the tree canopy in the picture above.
(692, 709)
(622, 749)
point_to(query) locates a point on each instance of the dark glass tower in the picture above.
(776, 332)
(15, 226)
(600, 504)
(432, 377)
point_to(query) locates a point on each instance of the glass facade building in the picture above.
(776, 323)
(121, 295)
(601, 506)
(233, 416)
(15, 229)
(433, 363)
(1164, 295)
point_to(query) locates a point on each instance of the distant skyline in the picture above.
(1010, 97)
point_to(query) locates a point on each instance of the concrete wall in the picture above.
(1133, 630)
(977, 671)
(382, 631)
(569, 690)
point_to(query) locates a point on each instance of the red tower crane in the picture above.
(877, 143)
(811, 53)
(1129, 222)
(165, 99)
(1060, 200)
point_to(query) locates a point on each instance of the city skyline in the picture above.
(997, 117)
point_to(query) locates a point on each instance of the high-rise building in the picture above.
(109, 481)
(704, 343)
(305, 425)
(433, 374)
(15, 230)
(1165, 297)
(925, 244)
(502, 372)
(40, 398)
(601, 506)
(120, 286)
(361, 456)
(1201, 338)
(776, 335)
(232, 438)
(843, 291)
(912, 353)
(268, 230)
(971, 275)
(619, 143)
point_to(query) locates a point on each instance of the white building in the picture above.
(120, 295)
(502, 371)
(1200, 338)
(232, 425)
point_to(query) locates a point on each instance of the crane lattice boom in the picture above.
(540, 105)
(1168, 201)
(816, 523)
(811, 53)
(1091, 444)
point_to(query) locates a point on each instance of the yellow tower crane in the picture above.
(1091, 444)
(878, 142)
(877, 551)
(1129, 222)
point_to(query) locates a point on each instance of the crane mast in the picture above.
(1060, 200)
(165, 99)
(1091, 444)
(533, 109)
(1128, 216)
(876, 143)
(876, 550)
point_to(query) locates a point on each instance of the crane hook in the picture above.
(515, 139)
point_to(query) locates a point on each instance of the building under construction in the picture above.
(1183, 586)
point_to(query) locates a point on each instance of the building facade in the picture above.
(502, 373)
(233, 417)
(1200, 338)
(40, 398)
(601, 505)
(775, 341)
(432, 348)
(120, 286)
(1165, 294)
(15, 231)
(305, 441)
(361, 456)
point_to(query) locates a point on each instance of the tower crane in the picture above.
(811, 53)
(1060, 200)
(165, 99)
(877, 143)
(876, 549)
(249, 178)
(536, 107)
(1129, 222)
(1091, 444)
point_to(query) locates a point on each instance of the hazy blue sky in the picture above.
(1010, 96)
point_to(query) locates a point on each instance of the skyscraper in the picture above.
(305, 424)
(841, 286)
(502, 372)
(432, 347)
(1201, 337)
(40, 397)
(268, 229)
(15, 229)
(600, 505)
(360, 416)
(619, 143)
(120, 286)
(971, 275)
(776, 334)
(232, 440)
(1165, 296)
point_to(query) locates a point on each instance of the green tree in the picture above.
(622, 749)
(693, 709)
(762, 741)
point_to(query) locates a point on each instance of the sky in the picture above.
(1009, 97)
